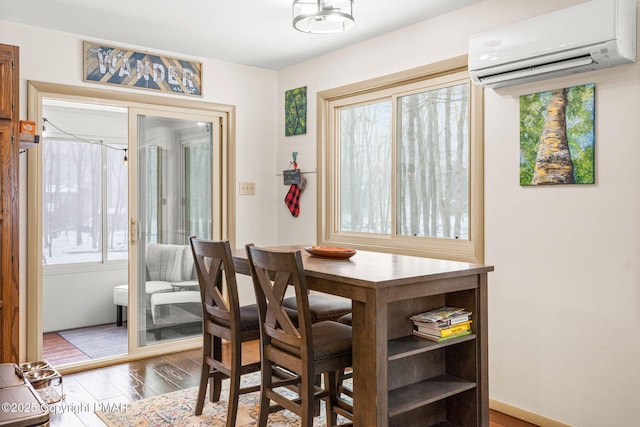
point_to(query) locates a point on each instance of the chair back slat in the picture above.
(218, 313)
(273, 273)
(216, 276)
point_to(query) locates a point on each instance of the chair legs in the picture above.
(266, 375)
(205, 374)
(308, 402)
(234, 394)
(337, 391)
(342, 389)
(330, 402)
(207, 377)
(213, 378)
(308, 398)
(202, 387)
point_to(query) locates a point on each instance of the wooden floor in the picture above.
(124, 383)
(57, 351)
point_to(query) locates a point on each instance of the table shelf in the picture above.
(431, 383)
(412, 345)
(425, 392)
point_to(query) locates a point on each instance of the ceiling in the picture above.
(251, 32)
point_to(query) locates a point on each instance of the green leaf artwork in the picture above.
(295, 111)
(557, 136)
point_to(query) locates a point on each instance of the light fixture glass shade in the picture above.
(322, 16)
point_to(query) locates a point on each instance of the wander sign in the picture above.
(117, 66)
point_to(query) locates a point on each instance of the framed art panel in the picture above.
(557, 136)
(295, 111)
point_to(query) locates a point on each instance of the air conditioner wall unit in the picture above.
(590, 36)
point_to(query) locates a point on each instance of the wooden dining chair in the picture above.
(223, 319)
(306, 350)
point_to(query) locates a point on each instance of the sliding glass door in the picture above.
(177, 181)
(115, 192)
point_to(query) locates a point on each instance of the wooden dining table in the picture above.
(399, 378)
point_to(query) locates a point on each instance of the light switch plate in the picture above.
(248, 188)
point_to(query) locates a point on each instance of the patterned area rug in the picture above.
(176, 410)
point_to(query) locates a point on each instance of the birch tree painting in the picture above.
(557, 136)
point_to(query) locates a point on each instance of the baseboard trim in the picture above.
(523, 415)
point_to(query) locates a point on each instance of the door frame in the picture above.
(36, 91)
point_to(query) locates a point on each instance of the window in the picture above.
(85, 202)
(401, 163)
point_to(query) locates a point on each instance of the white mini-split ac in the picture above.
(590, 36)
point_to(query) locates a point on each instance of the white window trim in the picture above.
(328, 232)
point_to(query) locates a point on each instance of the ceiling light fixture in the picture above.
(322, 16)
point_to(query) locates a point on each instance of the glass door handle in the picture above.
(134, 231)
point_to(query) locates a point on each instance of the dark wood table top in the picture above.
(373, 269)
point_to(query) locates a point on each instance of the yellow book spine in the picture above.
(452, 330)
(455, 329)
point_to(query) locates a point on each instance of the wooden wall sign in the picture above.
(124, 67)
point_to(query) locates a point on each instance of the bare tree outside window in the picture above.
(365, 168)
(198, 184)
(74, 214)
(401, 164)
(433, 163)
(431, 170)
(117, 206)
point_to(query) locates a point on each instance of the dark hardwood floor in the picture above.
(123, 383)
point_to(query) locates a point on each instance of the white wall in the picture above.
(81, 298)
(564, 300)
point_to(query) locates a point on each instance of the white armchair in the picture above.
(169, 268)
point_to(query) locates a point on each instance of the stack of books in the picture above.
(442, 324)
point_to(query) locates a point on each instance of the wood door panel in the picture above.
(9, 215)
(6, 83)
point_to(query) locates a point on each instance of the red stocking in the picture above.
(292, 200)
